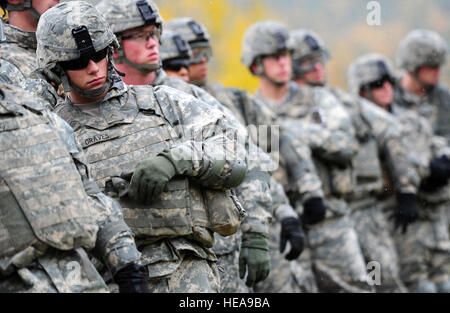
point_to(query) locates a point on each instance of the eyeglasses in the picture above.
(142, 36)
(307, 65)
(83, 61)
(198, 53)
(175, 64)
(380, 82)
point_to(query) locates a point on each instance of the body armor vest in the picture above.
(41, 193)
(142, 129)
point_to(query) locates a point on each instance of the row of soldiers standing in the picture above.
(347, 161)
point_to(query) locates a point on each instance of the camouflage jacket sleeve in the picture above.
(115, 243)
(391, 145)
(212, 146)
(10, 74)
(296, 158)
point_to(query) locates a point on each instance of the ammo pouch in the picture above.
(225, 212)
(185, 209)
(367, 169)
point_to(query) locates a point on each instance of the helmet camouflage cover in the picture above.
(263, 38)
(194, 33)
(67, 32)
(421, 47)
(304, 44)
(367, 69)
(128, 14)
(173, 46)
(56, 33)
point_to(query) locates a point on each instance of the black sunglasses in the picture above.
(83, 61)
(380, 82)
(176, 65)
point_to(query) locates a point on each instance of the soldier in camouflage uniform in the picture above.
(287, 225)
(259, 211)
(424, 253)
(314, 117)
(162, 153)
(380, 146)
(422, 54)
(51, 256)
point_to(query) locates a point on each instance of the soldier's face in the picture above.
(141, 45)
(278, 67)
(198, 71)
(317, 75)
(182, 73)
(91, 77)
(429, 75)
(383, 95)
(43, 5)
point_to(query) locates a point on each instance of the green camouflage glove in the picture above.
(254, 258)
(150, 178)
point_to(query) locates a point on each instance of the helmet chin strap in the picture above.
(27, 5)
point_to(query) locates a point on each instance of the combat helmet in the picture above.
(306, 44)
(128, 14)
(367, 70)
(195, 34)
(421, 47)
(262, 39)
(26, 5)
(69, 35)
(174, 51)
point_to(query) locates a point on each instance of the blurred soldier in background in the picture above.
(175, 55)
(380, 145)
(264, 189)
(253, 115)
(314, 117)
(162, 153)
(422, 54)
(424, 253)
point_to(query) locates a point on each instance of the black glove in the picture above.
(407, 210)
(132, 279)
(439, 174)
(291, 229)
(314, 211)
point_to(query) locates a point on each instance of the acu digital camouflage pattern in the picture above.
(170, 49)
(124, 15)
(189, 29)
(425, 252)
(302, 46)
(20, 49)
(9, 74)
(263, 38)
(37, 266)
(421, 47)
(314, 116)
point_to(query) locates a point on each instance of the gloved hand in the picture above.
(254, 258)
(132, 279)
(314, 211)
(439, 174)
(407, 210)
(291, 229)
(150, 178)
